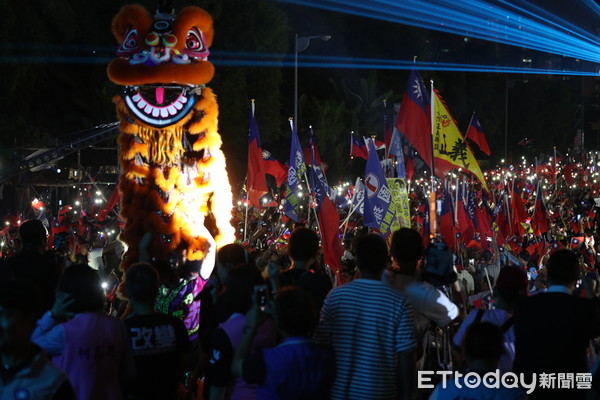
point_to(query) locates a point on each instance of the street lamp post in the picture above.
(301, 44)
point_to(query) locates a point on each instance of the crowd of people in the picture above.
(279, 325)
(510, 287)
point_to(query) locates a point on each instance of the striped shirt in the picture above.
(367, 323)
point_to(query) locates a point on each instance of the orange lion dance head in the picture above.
(173, 170)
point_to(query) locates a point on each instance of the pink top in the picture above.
(92, 357)
(266, 336)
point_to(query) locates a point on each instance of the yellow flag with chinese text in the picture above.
(449, 147)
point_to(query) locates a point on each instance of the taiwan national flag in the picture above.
(357, 148)
(539, 221)
(414, 117)
(311, 151)
(476, 135)
(377, 194)
(576, 242)
(256, 185)
(274, 167)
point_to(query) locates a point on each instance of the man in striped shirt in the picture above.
(370, 326)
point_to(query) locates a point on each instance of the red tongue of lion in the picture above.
(159, 93)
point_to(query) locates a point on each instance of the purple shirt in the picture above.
(183, 302)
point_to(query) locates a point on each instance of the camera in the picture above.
(261, 293)
(439, 269)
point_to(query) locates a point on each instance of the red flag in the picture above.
(465, 225)
(576, 242)
(358, 148)
(568, 174)
(502, 219)
(575, 226)
(274, 167)
(539, 222)
(329, 221)
(519, 214)
(475, 242)
(37, 204)
(379, 144)
(311, 151)
(515, 243)
(484, 225)
(110, 204)
(256, 185)
(476, 135)
(410, 167)
(414, 117)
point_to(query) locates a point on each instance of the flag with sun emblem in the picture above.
(414, 118)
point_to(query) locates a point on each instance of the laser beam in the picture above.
(496, 21)
(275, 60)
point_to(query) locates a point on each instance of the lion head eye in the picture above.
(195, 46)
(194, 40)
(130, 43)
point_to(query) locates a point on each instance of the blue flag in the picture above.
(318, 184)
(396, 150)
(358, 199)
(377, 194)
(297, 168)
(317, 172)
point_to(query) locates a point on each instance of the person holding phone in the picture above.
(243, 288)
(295, 369)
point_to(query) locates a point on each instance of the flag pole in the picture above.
(252, 105)
(352, 207)
(389, 171)
(309, 192)
(555, 173)
(246, 204)
(536, 200)
(470, 123)
(309, 201)
(432, 198)
(312, 152)
(456, 197)
(507, 205)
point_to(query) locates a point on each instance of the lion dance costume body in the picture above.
(173, 170)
